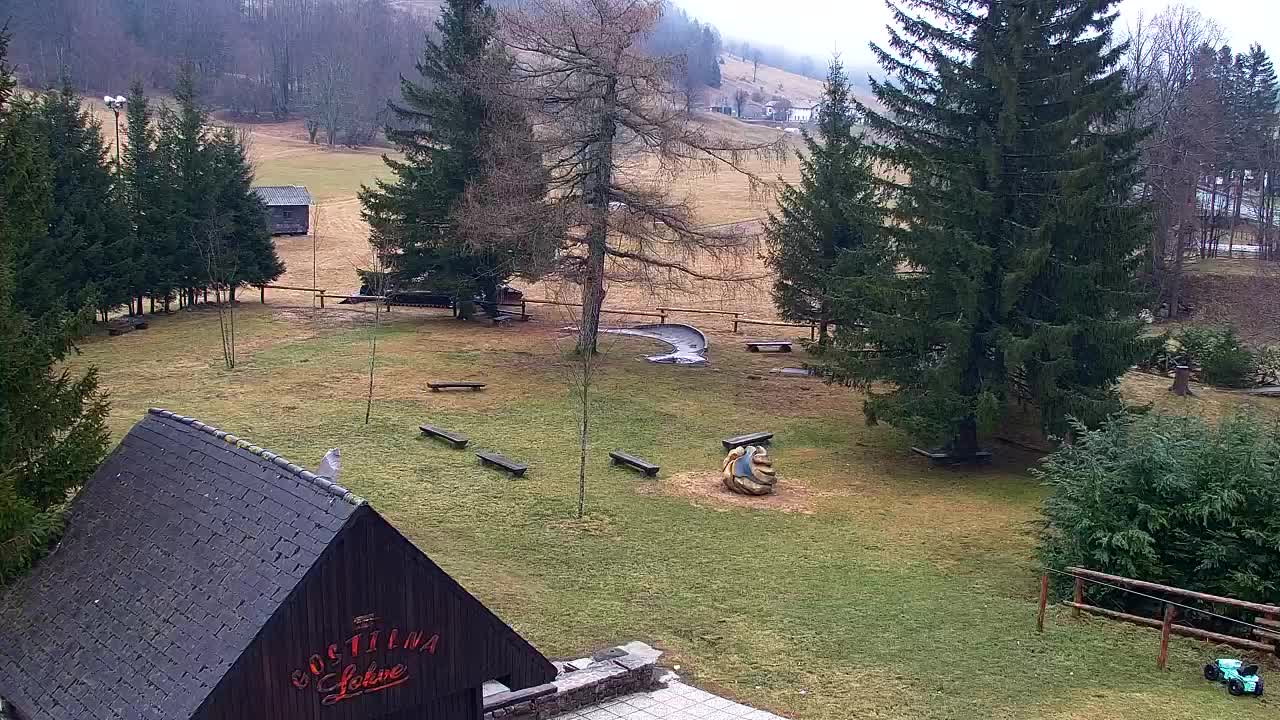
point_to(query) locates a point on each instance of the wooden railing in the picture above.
(662, 311)
(262, 292)
(640, 313)
(1267, 619)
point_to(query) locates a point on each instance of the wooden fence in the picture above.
(662, 311)
(1266, 626)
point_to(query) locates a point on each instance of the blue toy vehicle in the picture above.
(1241, 678)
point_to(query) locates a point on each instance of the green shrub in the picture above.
(1219, 355)
(1170, 500)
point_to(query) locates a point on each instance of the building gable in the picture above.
(203, 576)
(375, 630)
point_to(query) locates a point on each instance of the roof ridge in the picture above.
(324, 484)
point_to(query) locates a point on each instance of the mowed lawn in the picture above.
(872, 586)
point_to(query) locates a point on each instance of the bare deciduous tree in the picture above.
(1170, 58)
(612, 132)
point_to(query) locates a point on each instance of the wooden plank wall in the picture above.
(374, 592)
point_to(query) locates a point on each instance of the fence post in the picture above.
(1078, 595)
(662, 316)
(262, 294)
(321, 299)
(1044, 600)
(735, 324)
(1163, 658)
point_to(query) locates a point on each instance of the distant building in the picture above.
(289, 208)
(802, 115)
(775, 110)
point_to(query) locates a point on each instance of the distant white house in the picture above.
(802, 115)
(781, 111)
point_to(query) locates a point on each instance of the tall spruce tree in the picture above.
(52, 424)
(148, 197)
(1016, 215)
(187, 162)
(441, 130)
(827, 240)
(238, 231)
(88, 223)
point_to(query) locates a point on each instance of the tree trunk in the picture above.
(1207, 231)
(964, 445)
(1235, 216)
(596, 197)
(592, 292)
(1175, 277)
(582, 436)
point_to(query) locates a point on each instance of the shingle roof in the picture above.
(180, 547)
(283, 195)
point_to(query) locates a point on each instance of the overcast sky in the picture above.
(816, 27)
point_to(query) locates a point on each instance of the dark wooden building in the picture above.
(204, 577)
(288, 208)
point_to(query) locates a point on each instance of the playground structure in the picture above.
(688, 344)
(747, 470)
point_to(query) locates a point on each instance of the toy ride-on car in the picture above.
(1240, 678)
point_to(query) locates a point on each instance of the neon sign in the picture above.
(346, 670)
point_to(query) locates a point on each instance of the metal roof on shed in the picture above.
(283, 194)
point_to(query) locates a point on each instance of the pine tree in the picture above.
(1016, 218)
(25, 183)
(186, 162)
(94, 238)
(148, 196)
(240, 218)
(52, 425)
(827, 242)
(441, 131)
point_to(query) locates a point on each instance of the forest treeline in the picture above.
(333, 62)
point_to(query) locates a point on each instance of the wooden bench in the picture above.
(501, 461)
(438, 385)
(776, 345)
(942, 457)
(617, 457)
(454, 439)
(126, 324)
(760, 438)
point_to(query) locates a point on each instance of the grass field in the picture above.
(872, 586)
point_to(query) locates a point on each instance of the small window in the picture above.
(287, 214)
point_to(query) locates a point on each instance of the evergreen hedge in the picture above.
(1172, 500)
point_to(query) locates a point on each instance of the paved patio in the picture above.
(677, 701)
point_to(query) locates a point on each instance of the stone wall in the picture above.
(623, 670)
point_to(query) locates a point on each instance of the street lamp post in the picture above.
(116, 104)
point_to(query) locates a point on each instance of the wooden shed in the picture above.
(204, 577)
(288, 208)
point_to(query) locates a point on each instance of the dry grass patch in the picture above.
(1208, 402)
(706, 489)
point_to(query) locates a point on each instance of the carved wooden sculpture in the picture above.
(748, 471)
